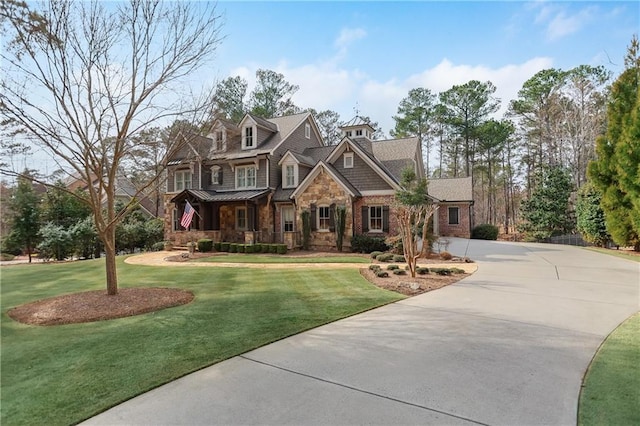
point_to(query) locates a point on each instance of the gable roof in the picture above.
(346, 185)
(451, 189)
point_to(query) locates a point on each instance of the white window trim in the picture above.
(223, 141)
(254, 136)
(182, 173)
(215, 170)
(293, 212)
(245, 168)
(320, 229)
(307, 131)
(348, 156)
(449, 215)
(381, 219)
(246, 219)
(284, 175)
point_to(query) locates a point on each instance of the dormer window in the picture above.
(348, 133)
(359, 132)
(307, 131)
(348, 160)
(219, 140)
(248, 137)
(290, 176)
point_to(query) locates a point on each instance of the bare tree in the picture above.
(112, 70)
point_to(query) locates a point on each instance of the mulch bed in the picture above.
(92, 306)
(408, 286)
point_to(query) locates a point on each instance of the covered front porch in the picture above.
(232, 216)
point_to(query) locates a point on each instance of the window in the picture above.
(287, 219)
(348, 133)
(245, 177)
(348, 160)
(307, 131)
(175, 220)
(454, 215)
(375, 218)
(241, 218)
(248, 139)
(216, 175)
(182, 180)
(323, 218)
(219, 142)
(359, 132)
(290, 176)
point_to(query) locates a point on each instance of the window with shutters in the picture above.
(375, 218)
(324, 218)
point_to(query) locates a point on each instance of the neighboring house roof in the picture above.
(451, 189)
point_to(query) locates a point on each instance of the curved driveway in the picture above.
(506, 346)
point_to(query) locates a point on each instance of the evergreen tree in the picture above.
(590, 217)
(616, 173)
(25, 209)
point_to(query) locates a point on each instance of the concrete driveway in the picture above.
(506, 346)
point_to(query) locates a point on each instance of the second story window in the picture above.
(182, 180)
(219, 142)
(216, 175)
(290, 180)
(348, 160)
(359, 132)
(248, 140)
(245, 177)
(307, 131)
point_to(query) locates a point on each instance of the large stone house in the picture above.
(250, 182)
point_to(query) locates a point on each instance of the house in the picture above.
(454, 215)
(249, 182)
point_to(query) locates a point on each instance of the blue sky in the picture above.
(368, 55)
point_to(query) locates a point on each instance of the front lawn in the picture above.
(278, 258)
(64, 374)
(611, 392)
(624, 254)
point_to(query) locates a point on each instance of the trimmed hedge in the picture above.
(399, 272)
(422, 271)
(225, 247)
(382, 274)
(399, 258)
(385, 257)
(233, 247)
(205, 245)
(374, 267)
(393, 268)
(485, 231)
(375, 254)
(281, 248)
(217, 246)
(367, 244)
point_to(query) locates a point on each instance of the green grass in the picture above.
(63, 374)
(617, 253)
(265, 258)
(611, 392)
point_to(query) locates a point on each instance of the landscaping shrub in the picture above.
(385, 257)
(399, 272)
(158, 246)
(281, 248)
(233, 247)
(485, 231)
(458, 271)
(241, 247)
(367, 244)
(266, 248)
(398, 258)
(445, 255)
(205, 245)
(422, 271)
(6, 256)
(374, 267)
(375, 254)
(382, 274)
(257, 248)
(225, 247)
(217, 246)
(441, 271)
(273, 248)
(392, 267)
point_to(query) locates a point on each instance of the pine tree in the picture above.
(25, 209)
(590, 217)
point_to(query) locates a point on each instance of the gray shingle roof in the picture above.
(282, 194)
(395, 149)
(451, 189)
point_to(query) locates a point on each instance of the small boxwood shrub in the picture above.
(422, 271)
(240, 247)
(441, 271)
(225, 247)
(375, 254)
(266, 248)
(374, 267)
(392, 267)
(257, 248)
(400, 272)
(249, 248)
(233, 247)
(445, 255)
(281, 248)
(384, 257)
(382, 274)
(485, 231)
(159, 246)
(217, 246)
(398, 258)
(458, 271)
(273, 248)
(205, 245)
(367, 244)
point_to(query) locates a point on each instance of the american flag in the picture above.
(187, 216)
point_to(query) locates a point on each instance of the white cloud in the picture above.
(558, 21)
(348, 36)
